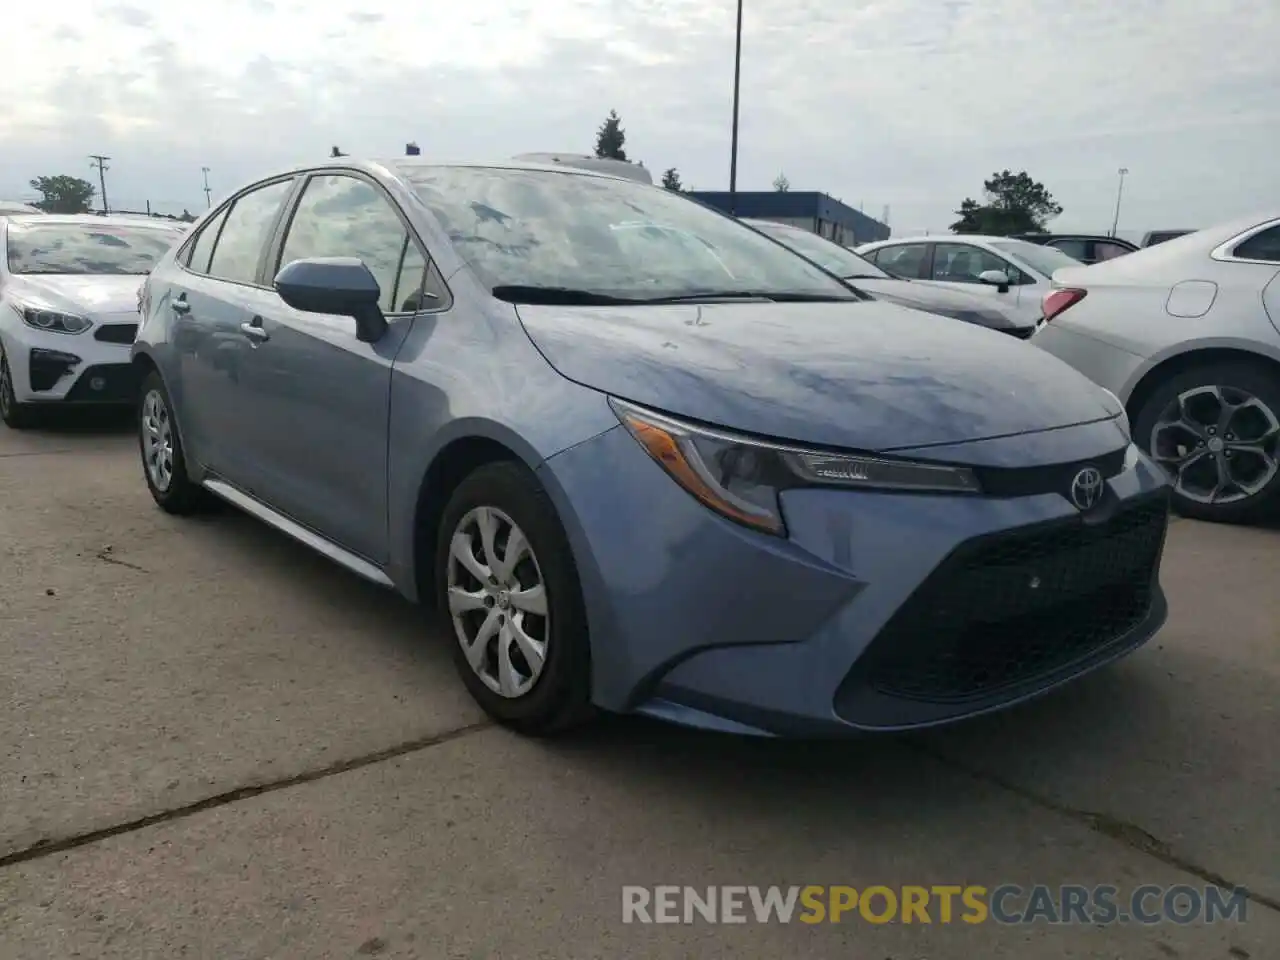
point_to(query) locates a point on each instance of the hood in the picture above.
(949, 303)
(856, 375)
(81, 293)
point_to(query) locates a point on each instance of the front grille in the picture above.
(1007, 610)
(116, 333)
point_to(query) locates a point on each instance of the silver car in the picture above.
(1014, 273)
(1187, 335)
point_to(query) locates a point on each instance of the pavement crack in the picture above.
(1128, 834)
(46, 846)
(105, 556)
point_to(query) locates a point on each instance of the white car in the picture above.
(1187, 335)
(69, 308)
(1013, 272)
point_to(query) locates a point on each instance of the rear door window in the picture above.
(202, 248)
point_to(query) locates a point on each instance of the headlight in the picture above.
(740, 477)
(54, 321)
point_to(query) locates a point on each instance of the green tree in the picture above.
(611, 138)
(781, 183)
(671, 180)
(1014, 204)
(63, 194)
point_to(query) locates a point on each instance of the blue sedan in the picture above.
(641, 457)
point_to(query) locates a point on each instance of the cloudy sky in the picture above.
(908, 104)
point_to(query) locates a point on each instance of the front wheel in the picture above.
(506, 581)
(1216, 430)
(17, 416)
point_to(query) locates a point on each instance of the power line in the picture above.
(208, 196)
(99, 161)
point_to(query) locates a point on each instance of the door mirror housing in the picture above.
(996, 278)
(337, 285)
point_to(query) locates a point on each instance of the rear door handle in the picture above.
(254, 331)
(180, 305)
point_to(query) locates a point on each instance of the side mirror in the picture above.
(336, 285)
(996, 278)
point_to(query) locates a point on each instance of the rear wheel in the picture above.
(506, 580)
(163, 462)
(17, 415)
(1216, 430)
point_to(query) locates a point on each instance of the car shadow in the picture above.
(89, 421)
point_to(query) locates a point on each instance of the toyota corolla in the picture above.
(642, 458)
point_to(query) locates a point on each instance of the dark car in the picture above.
(847, 265)
(1161, 236)
(1085, 247)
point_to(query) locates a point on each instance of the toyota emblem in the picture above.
(1086, 488)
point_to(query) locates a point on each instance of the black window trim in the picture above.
(1226, 252)
(275, 246)
(184, 254)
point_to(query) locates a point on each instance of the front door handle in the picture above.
(180, 305)
(254, 331)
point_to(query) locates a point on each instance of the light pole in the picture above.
(733, 149)
(1119, 193)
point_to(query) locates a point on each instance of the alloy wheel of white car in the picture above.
(1218, 442)
(498, 601)
(1216, 431)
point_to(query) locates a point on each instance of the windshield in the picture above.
(86, 248)
(825, 253)
(1044, 259)
(528, 228)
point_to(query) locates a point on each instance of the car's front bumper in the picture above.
(60, 368)
(878, 612)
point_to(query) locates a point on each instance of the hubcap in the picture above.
(1218, 443)
(157, 440)
(498, 602)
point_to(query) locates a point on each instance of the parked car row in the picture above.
(644, 457)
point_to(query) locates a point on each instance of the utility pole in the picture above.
(733, 149)
(208, 196)
(1115, 224)
(99, 161)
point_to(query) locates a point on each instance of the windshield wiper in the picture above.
(556, 296)
(572, 296)
(864, 276)
(774, 296)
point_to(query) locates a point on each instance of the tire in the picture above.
(558, 695)
(17, 416)
(179, 496)
(1234, 381)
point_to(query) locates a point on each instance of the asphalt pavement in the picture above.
(216, 744)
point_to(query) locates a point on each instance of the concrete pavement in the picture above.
(218, 745)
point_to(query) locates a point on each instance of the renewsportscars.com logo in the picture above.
(939, 903)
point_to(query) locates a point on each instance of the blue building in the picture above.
(817, 212)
